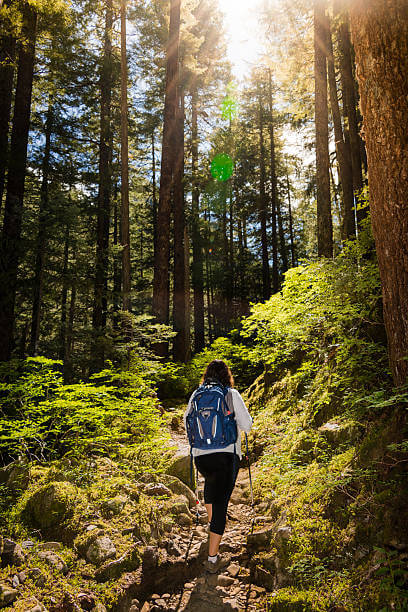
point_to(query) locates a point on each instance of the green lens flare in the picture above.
(222, 167)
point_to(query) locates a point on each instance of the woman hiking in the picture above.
(219, 462)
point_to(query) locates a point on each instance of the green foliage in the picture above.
(392, 572)
(114, 413)
(330, 433)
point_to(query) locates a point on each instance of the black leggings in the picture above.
(220, 472)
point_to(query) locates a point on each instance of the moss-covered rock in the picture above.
(180, 467)
(179, 488)
(115, 505)
(53, 507)
(339, 433)
(7, 595)
(129, 562)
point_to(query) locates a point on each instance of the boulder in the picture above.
(282, 535)
(184, 520)
(178, 505)
(157, 490)
(100, 549)
(179, 488)
(36, 575)
(7, 595)
(86, 601)
(225, 581)
(180, 467)
(268, 570)
(32, 605)
(129, 562)
(12, 553)
(259, 540)
(51, 505)
(337, 433)
(115, 505)
(54, 560)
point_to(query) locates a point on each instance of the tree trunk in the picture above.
(231, 272)
(124, 160)
(380, 37)
(117, 267)
(181, 342)
(197, 268)
(10, 249)
(100, 307)
(324, 218)
(345, 170)
(162, 253)
(7, 58)
(42, 235)
(349, 106)
(224, 323)
(282, 241)
(274, 192)
(69, 343)
(64, 296)
(263, 206)
(292, 242)
(210, 288)
(154, 194)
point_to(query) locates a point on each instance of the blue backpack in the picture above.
(210, 424)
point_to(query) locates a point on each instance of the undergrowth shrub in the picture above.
(42, 418)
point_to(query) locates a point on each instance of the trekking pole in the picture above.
(249, 470)
(197, 500)
(196, 483)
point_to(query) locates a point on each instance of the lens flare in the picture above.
(222, 167)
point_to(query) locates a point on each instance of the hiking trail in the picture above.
(231, 588)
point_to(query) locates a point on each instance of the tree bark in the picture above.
(282, 241)
(197, 268)
(10, 249)
(69, 343)
(380, 37)
(292, 242)
(124, 160)
(162, 252)
(64, 297)
(100, 307)
(117, 262)
(274, 192)
(345, 170)
(210, 297)
(350, 106)
(181, 342)
(42, 235)
(266, 278)
(324, 218)
(7, 58)
(154, 194)
(231, 271)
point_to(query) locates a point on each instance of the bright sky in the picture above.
(244, 40)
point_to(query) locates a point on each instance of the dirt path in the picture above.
(230, 589)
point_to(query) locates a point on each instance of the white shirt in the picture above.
(235, 404)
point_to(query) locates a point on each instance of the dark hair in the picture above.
(218, 370)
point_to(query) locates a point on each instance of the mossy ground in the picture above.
(108, 497)
(342, 498)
